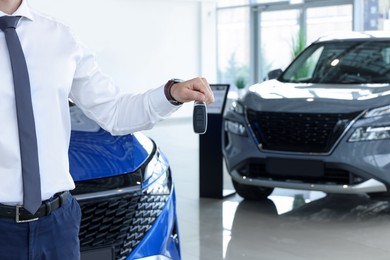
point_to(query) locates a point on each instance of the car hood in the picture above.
(95, 153)
(277, 96)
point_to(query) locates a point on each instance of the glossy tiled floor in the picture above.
(289, 225)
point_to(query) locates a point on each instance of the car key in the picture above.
(199, 117)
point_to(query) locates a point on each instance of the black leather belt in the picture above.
(21, 215)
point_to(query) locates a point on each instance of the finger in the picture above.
(187, 91)
(197, 89)
(209, 95)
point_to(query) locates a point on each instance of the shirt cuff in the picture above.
(160, 103)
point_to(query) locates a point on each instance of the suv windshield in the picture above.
(342, 62)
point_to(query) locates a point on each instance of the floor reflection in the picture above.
(287, 200)
(295, 225)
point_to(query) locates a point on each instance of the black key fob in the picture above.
(199, 117)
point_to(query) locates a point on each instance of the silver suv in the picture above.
(322, 124)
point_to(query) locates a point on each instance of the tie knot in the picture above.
(8, 22)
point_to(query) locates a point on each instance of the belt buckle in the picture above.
(17, 216)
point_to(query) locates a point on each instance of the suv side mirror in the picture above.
(273, 74)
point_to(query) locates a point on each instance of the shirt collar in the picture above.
(23, 10)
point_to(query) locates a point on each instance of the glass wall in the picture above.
(233, 45)
(322, 20)
(230, 3)
(255, 36)
(278, 39)
(376, 15)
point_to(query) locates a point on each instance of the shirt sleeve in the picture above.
(101, 100)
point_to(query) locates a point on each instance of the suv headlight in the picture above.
(381, 111)
(235, 128)
(370, 133)
(237, 107)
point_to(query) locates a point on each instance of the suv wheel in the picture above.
(250, 192)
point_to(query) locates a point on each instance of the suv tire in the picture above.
(250, 192)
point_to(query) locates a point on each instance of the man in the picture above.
(60, 67)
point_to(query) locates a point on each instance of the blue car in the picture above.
(125, 190)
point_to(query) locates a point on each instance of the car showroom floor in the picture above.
(289, 225)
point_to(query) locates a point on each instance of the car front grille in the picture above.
(119, 221)
(148, 209)
(298, 132)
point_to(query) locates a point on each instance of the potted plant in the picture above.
(241, 85)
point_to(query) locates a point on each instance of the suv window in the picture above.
(342, 62)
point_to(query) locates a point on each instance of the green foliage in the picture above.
(241, 82)
(298, 44)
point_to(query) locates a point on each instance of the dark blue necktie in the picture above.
(26, 124)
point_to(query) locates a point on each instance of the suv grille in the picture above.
(119, 221)
(298, 132)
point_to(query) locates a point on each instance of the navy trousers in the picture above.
(54, 237)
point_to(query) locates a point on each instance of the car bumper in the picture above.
(366, 163)
(368, 186)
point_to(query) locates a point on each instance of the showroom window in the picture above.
(376, 15)
(256, 36)
(286, 29)
(233, 41)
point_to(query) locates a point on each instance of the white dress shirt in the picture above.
(60, 67)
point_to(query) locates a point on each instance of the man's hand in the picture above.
(197, 89)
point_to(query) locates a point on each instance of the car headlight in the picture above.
(235, 128)
(381, 111)
(237, 107)
(157, 178)
(369, 133)
(161, 186)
